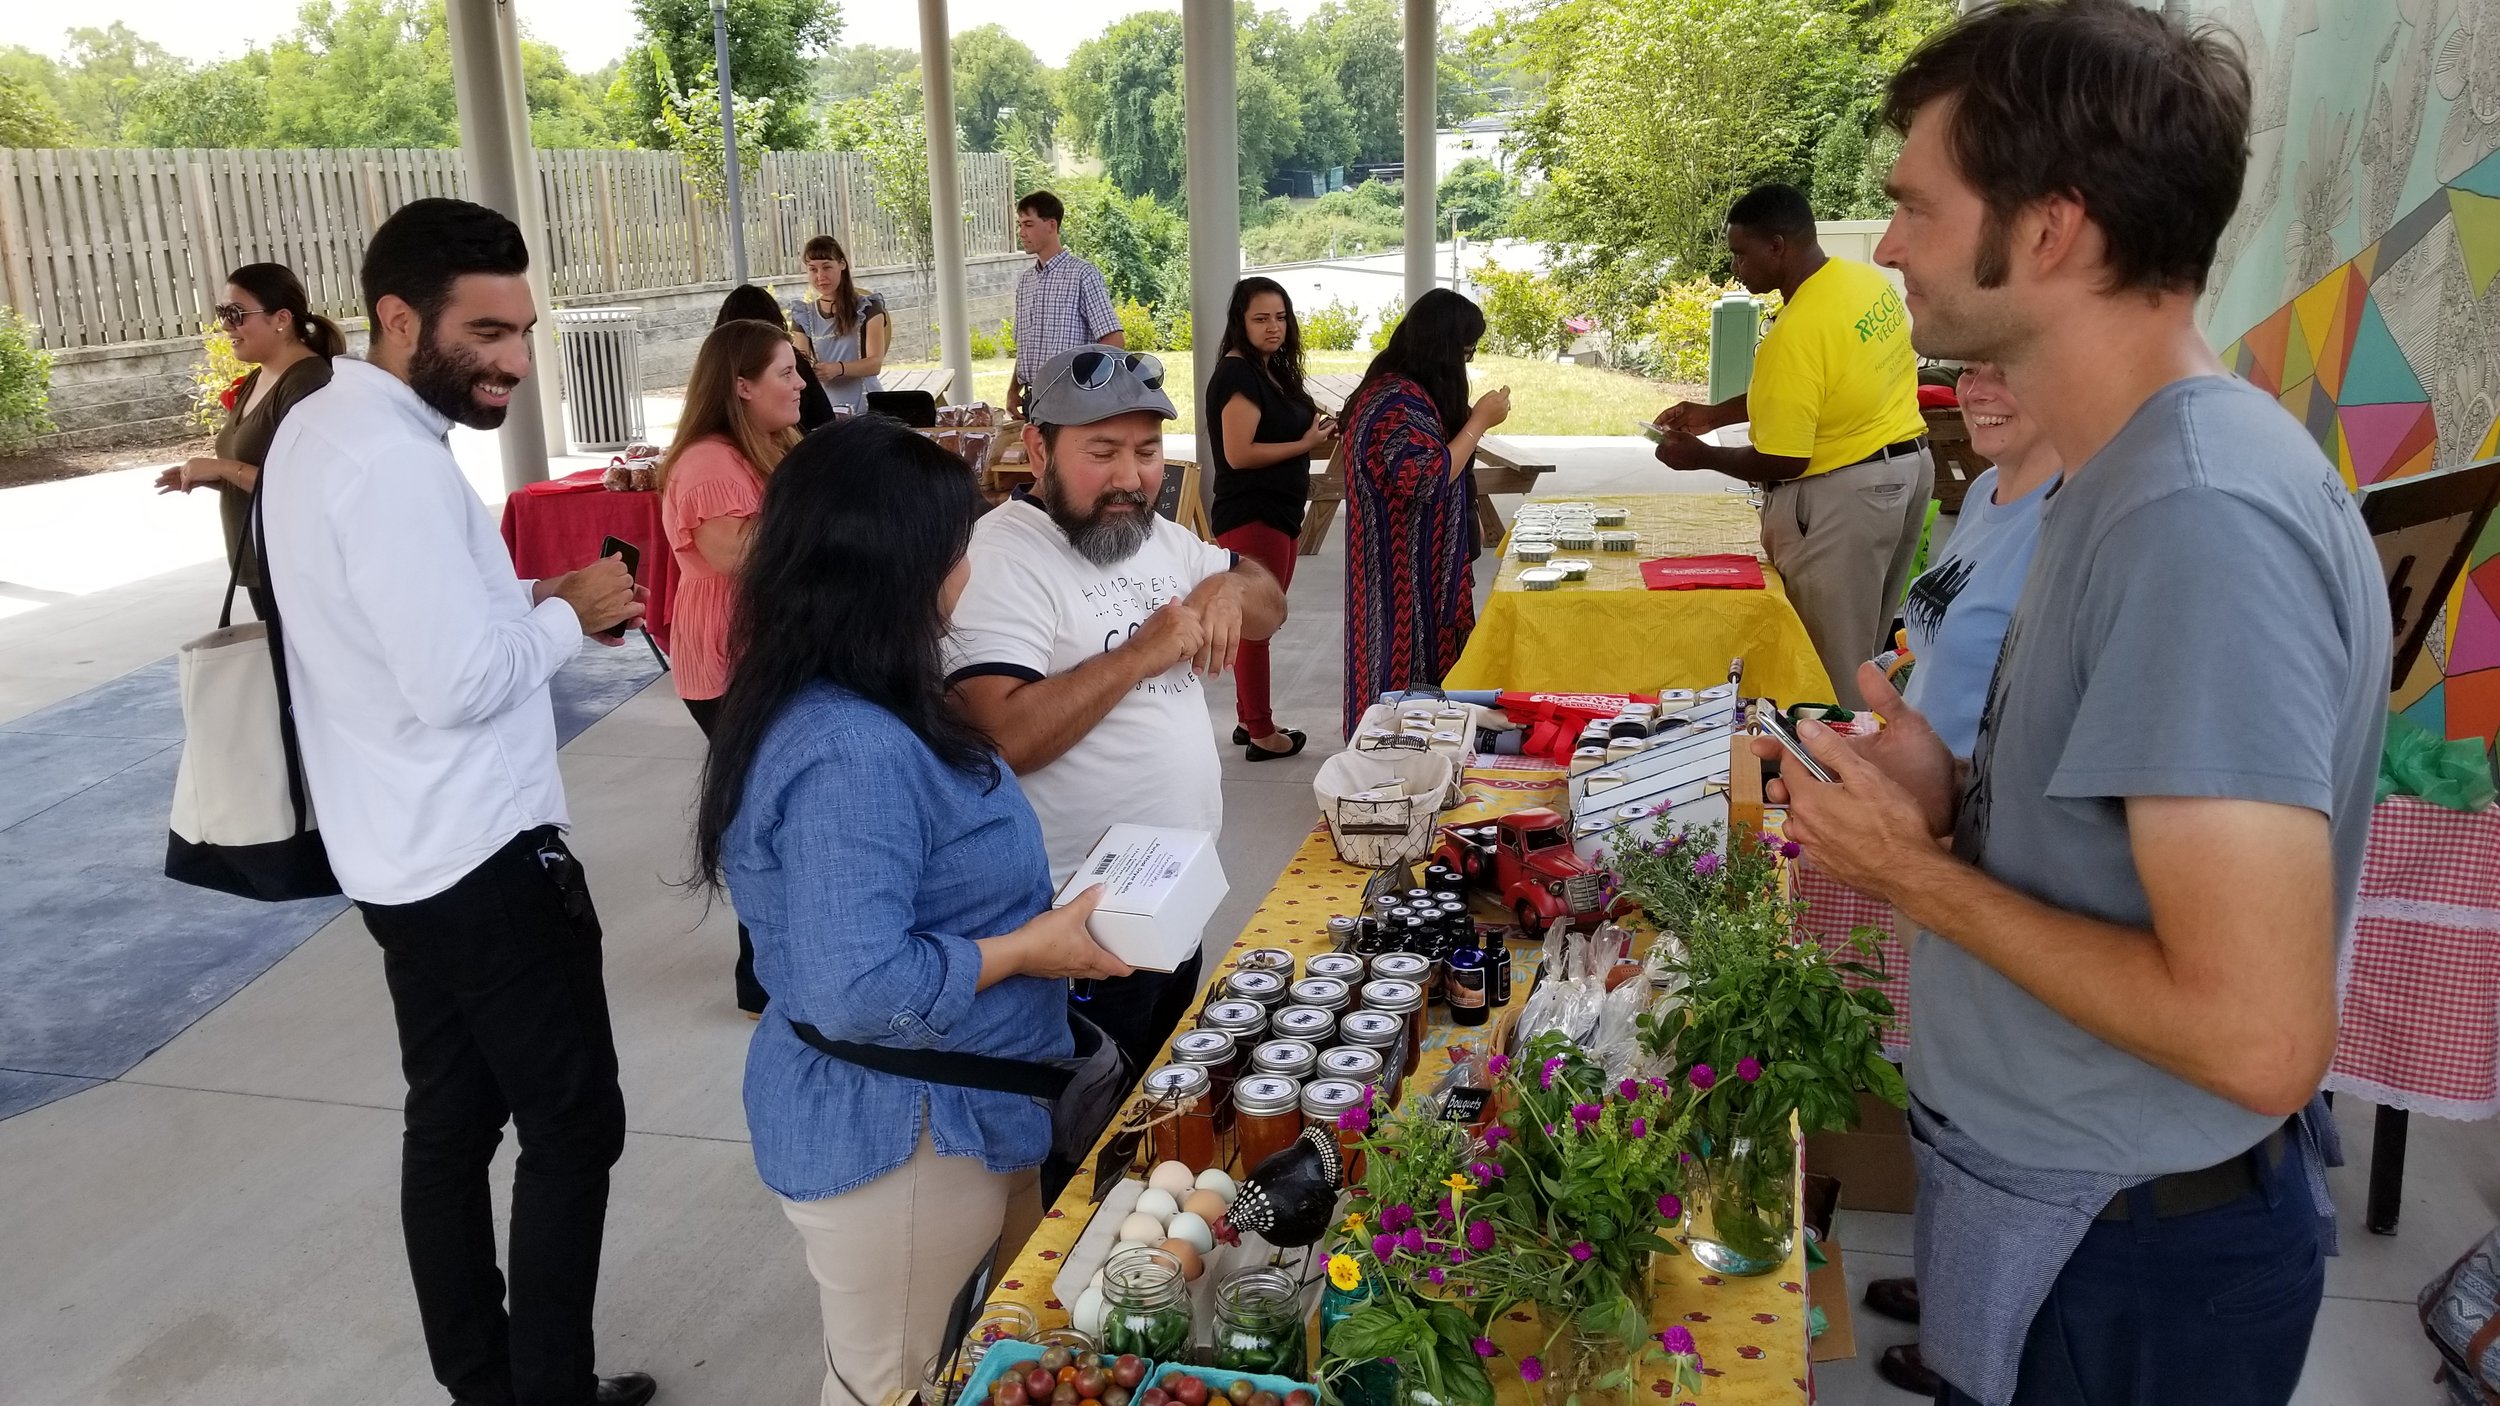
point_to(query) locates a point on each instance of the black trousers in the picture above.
(751, 994)
(503, 1016)
(1139, 1010)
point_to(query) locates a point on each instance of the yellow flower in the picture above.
(1343, 1272)
(1458, 1184)
(1354, 1223)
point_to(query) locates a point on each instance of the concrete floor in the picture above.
(218, 1225)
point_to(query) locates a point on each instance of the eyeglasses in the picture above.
(1091, 370)
(234, 315)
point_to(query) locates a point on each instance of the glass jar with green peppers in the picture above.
(1258, 1325)
(1145, 1302)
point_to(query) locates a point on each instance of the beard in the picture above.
(448, 380)
(1100, 535)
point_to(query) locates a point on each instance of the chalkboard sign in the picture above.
(1168, 502)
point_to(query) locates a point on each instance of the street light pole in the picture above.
(729, 143)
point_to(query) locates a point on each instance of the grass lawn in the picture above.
(1546, 397)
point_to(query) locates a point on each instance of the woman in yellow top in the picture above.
(1836, 432)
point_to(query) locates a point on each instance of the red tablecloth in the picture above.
(2420, 1028)
(556, 527)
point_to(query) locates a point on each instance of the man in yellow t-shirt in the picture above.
(1836, 433)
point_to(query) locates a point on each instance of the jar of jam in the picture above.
(1354, 1064)
(1267, 959)
(1402, 966)
(1336, 966)
(1382, 1033)
(1220, 1055)
(1267, 1111)
(1309, 1024)
(1245, 1021)
(1265, 987)
(1290, 1059)
(1405, 1000)
(1323, 1102)
(1188, 1135)
(1325, 992)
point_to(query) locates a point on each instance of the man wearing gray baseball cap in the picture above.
(1079, 644)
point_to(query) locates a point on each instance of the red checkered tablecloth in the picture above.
(1833, 910)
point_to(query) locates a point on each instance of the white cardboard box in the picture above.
(1159, 889)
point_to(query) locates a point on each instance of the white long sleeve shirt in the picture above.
(418, 665)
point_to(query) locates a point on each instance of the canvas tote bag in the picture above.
(242, 819)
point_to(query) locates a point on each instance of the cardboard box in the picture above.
(1871, 1161)
(1828, 1289)
(1159, 889)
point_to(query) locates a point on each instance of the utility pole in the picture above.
(729, 143)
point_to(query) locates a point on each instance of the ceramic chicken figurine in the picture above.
(1290, 1199)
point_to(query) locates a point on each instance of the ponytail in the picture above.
(279, 290)
(321, 335)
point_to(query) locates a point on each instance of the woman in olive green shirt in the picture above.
(272, 325)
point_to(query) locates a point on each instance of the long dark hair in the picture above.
(1283, 365)
(280, 291)
(845, 314)
(860, 526)
(748, 303)
(1429, 347)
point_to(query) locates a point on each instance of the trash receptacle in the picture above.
(602, 375)
(1735, 326)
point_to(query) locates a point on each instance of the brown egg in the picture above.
(1193, 1264)
(1206, 1205)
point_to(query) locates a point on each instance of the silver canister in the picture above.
(1286, 1059)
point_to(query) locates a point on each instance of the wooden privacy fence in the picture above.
(107, 245)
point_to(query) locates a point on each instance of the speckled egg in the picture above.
(1172, 1179)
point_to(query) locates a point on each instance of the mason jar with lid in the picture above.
(1337, 966)
(1219, 1054)
(1353, 1063)
(1411, 967)
(1267, 1111)
(1245, 1021)
(1326, 992)
(1291, 1059)
(1324, 1101)
(1382, 1032)
(1188, 1135)
(1267, 959)
(1315, 1027)
(1403, 999)
(1265, 987)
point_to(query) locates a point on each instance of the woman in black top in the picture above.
(1267, 431)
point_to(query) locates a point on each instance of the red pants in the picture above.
(1275, 551)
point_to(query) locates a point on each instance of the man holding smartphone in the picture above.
(420, 670)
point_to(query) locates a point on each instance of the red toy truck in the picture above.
(1529, 861)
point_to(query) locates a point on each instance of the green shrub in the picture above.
(1523, 312)
(1137, 321)
(1391, 314)
(1679, 325)
(25, 383)
(986, 346)
(1174, 330)
(1332, 328)
(217, 369)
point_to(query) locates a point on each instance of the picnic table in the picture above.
(1502, 466)
(936, 380)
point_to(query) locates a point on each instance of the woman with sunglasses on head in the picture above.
(741, 417)
(840, 326)
(900, 895)
(1267, 432)
(272, 325)
(1410, 550)
(748, 303)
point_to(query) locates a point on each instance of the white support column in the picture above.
(946, 197)
(533, 222)
(1423, 183)
(487, 120)
(1213, 158)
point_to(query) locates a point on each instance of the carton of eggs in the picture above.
(1176, 1213)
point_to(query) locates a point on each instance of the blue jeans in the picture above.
(2212, 1309)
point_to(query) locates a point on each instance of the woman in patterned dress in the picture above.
(1409, 496)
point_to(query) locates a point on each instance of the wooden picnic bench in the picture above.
(936, 380)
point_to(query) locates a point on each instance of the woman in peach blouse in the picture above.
(741, 416)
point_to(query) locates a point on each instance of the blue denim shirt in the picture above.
(866, 870)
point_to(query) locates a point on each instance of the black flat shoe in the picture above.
(1894, 1298)
(1254, 752)
(1241, 737)
(1904, 1368)
(626, 1389)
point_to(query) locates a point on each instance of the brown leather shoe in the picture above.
(1902, 1367)
(1894, 1298)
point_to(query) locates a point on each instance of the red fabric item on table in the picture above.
(1939, 398)
(552, 532)
(1554, 720)
(587, 481)
(1724, 571)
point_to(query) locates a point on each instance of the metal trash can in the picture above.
(602, 375)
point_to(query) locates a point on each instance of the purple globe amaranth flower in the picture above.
(1662, 1086)
(1496, 1135)
(1498, 1065)
(1790, 849)
(1384, 1248)
(1703, 1076)
(1545, 1076)
(1485, 1172)
(1678, 1339)
(1412, 1241)
(1397, 1217)
(1749, 1069)
(1638, 1128)
(1583, 1251)
(1480, 1236)
(1485, 1348)
(1629, 1088)
(1441, 1210)
(1671, 1207)
(1437, 1276)
(1357, 1119)
(1706, 863)
(1583, 1114)
(1531, 1370)
(1458, 1256)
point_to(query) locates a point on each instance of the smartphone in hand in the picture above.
(614, 546)
(1773, 723)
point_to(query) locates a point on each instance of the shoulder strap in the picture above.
(255, 542)
(963, 1071)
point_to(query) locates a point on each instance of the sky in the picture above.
(590, 32)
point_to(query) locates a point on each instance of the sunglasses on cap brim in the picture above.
(1091, 370)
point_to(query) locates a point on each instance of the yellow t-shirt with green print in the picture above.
(1835, 379)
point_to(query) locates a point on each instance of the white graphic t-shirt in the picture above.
(1035, 608)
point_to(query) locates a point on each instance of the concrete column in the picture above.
(487, 121)
(533, 222)
(1423, 183)
(1214, 175)
(946, 196)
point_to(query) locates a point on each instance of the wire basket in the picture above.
(1373, 831)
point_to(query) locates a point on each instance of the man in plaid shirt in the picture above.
(1061, 301)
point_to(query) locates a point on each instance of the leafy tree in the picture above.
(1479, 196)
(772, 48)
(106, 71)
(690, 122)
(997, 80)
(888, 129)
(364, 73)
(568, 109)
(1140, 244)
(1358, 47)
(29, 117)
(1122, 93)
(214, 105)
(856, 70)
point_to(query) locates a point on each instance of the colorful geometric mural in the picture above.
(2390, 356)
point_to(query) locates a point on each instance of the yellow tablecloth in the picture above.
(1752, 1332)
(1610, 634)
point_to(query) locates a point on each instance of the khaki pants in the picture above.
(1842, 543)
(890, 1258)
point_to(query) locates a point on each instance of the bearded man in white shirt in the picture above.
(419, 668)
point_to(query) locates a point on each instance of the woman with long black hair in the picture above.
(1410, 581)
(898, 892)
(1267, 431)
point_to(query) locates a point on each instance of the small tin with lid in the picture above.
(1399, 966)
(1267, 959)
(1341, 931)
(1309, 1024)
(1337, 966)
(1290, 1059)
(1325, 992)
(1265, 987)
(1245, 1021)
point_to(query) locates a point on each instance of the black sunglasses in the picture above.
(235, 314)
(1091, 370)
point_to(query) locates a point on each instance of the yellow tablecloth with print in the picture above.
(1752, 1332)
(1611, 634)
